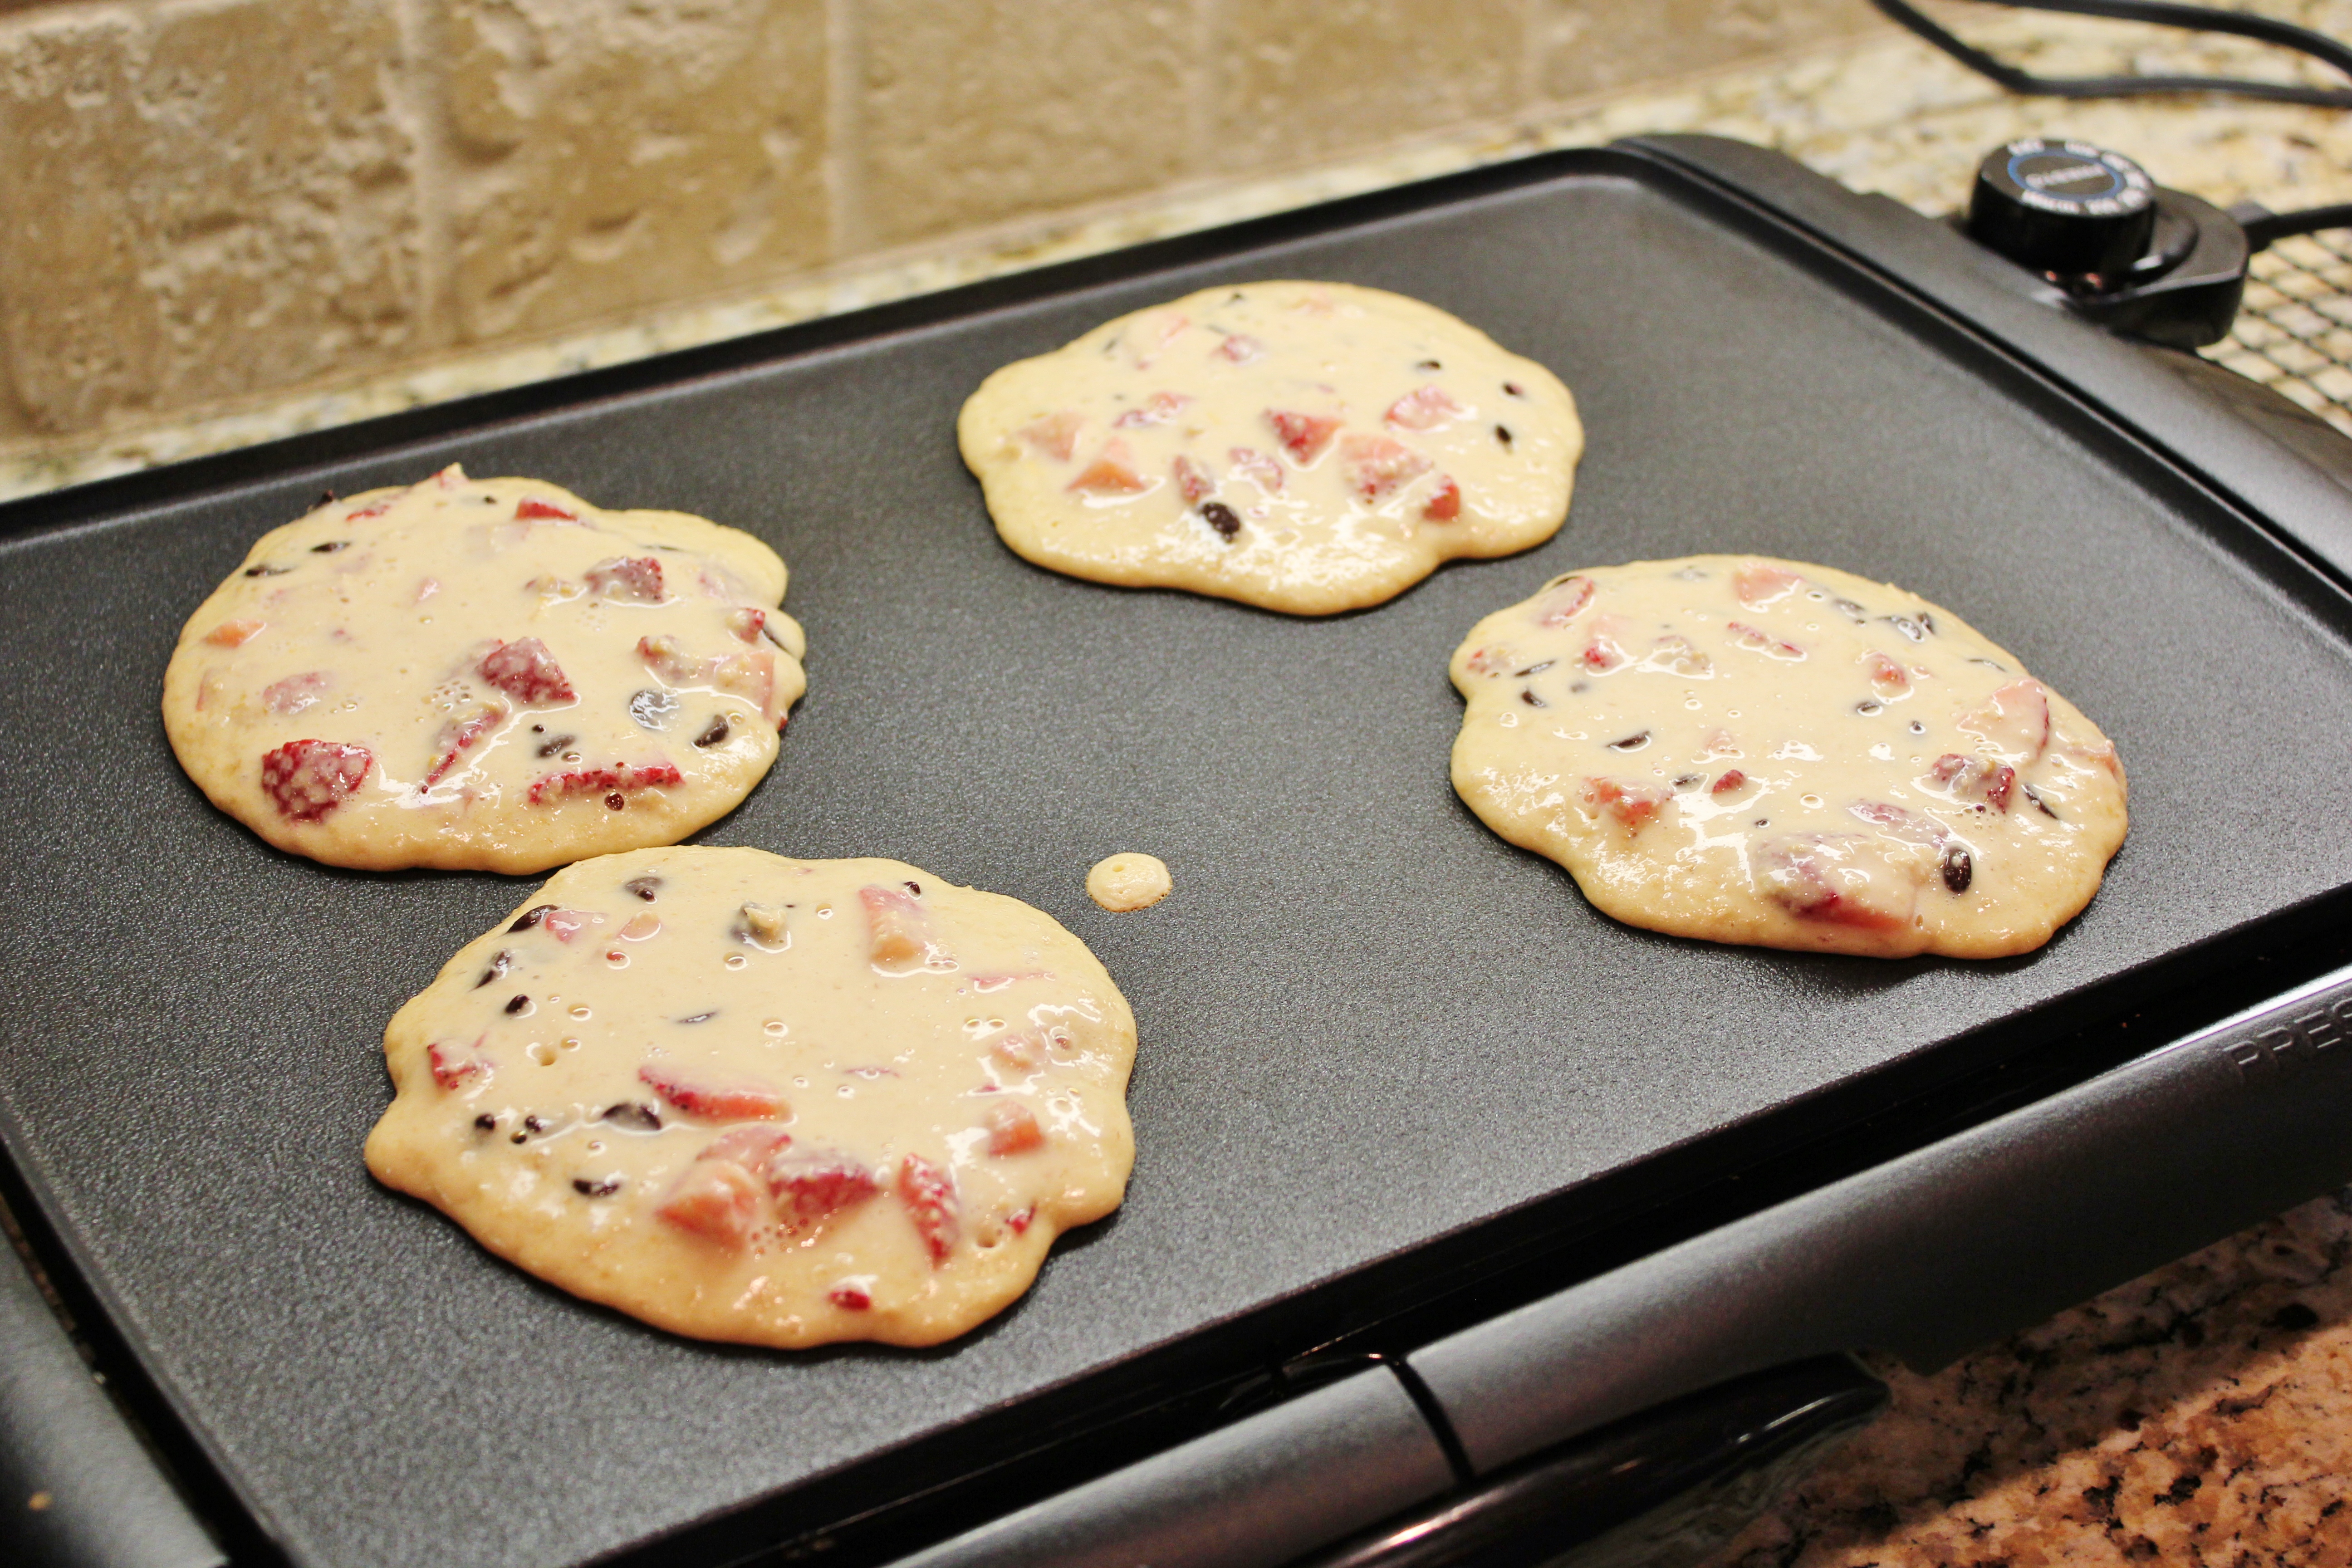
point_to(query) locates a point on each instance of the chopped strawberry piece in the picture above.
(565, 924)
(750, 1147)
(1563, 601)
(1020, 1219)
(930, 1195)
(1378, 465)
(1445, 505)
(897, 930)
(748, 675)
(1633, 804)
(746, 623)
(450, 478)
(1259, 468)
(2016, 721)
(1887, 676)
(600, 780)
(1022, 1050)
(1192, 481)
(1826, 876)
(308, 779)
(454, 1063)
(527, 672)
(716, 1199)
(1056, 435)
(1303, 436)
(234, 633)
(1990, 782)
(1424, 409)
(1602, 655)
(1240, 347)
(1763, 642)
(1757, 583)
(533, 507)
(1731, 780)
(457, 737)
(713, 1101)
(811, 1186)
(296, 692)
(851, 1298)
(1157, 409)
(635, 577)
(359, 514)
(1111, 473)
(1012, 1128)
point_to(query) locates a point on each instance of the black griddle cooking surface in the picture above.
(1366, 1022)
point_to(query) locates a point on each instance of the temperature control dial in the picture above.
(2063, 207)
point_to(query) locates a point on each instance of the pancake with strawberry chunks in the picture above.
(485, 675)
(783, 1102)
(1763, 751)
(1308, 447)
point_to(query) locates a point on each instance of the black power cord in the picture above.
(2262, 227)
(2195, 18)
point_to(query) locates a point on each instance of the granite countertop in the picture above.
(2200, 1415)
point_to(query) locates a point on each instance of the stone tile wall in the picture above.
(204, 202)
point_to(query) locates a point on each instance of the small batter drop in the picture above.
(1129, 881)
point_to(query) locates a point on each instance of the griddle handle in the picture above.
(77, 1490)
(1945, 1249)
(1255, 1494)
(1665, 1489)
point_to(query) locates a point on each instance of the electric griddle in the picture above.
(1445, 1183)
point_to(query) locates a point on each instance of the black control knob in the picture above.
(2063, 207)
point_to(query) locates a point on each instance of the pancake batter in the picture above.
(1764, 752)
(778, 1101)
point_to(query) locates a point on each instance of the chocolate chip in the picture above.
(714, 732)
(2035, 797)
(1536, 668)
(1992, 664)
(1927, 620)
(1868, 706)
(600, 1187)
(501, 961)
(916, 888)
(1528, 696)
(2294, 1318)
(652, 708)
(330, 547)
(266, 570)
(616, 801)
(1959, 869)
(1633, 743)
(1503, 434)
(1917, 728)
(1762, 820)
(1850, 611)
(1907, 626)
(547, 748)
(531, 917)
(328, 498)
(1514, 389)
(1222, 518)
(700, 1017)
(1581, 686)
(633, 1114)
(519, 1004)
(643, 886)
(1687, 780)
(486, 1123)
(535, 1122)
(1429, 364)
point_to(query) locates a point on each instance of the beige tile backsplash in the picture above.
(205, 202)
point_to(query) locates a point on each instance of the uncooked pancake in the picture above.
(1124, 883)
(1764, 752)
(777, 1102)
(485, 675)
(1309, 448)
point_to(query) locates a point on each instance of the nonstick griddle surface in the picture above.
(1366, 1021)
